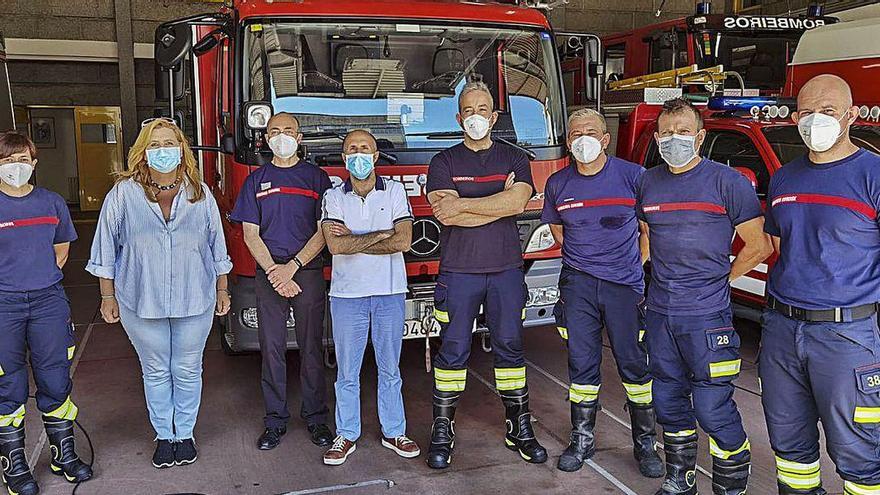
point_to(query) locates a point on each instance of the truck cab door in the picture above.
(583, 72)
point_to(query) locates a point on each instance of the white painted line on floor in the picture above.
(388, 484)
(620, 420)
(35, 455)
(602, 472)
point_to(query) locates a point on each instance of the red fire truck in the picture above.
(758, 48)
(849, 50)
(394, 67)
(756, 136)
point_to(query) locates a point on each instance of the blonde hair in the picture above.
(139, 171)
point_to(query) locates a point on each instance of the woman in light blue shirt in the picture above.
(160, 253)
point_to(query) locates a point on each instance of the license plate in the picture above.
(421, 321)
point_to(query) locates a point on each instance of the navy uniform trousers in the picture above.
(829, 372)
(37, 321)
(273, 311)
(694, 360)
(586, 305)
(457, 301)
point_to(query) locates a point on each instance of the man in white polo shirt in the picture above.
(367, 223)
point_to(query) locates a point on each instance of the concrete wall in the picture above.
(606, 17)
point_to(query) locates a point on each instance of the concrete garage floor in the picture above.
(109, 393)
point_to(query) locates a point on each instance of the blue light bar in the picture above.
(734, 103)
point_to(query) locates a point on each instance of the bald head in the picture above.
(827, 94)
(359, 141)
(282, 122)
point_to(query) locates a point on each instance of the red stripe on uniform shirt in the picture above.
(485, 178)
(590, 203)
(288, 190)
(824, 199)
(27, 222)
(686, 206)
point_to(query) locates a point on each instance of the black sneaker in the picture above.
(185, 452)
(164, 455)
(270, 438)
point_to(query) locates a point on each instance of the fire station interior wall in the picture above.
(56, 148)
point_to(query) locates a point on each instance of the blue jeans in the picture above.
(352, 318)
(170, 351)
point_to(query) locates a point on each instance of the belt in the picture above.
(835, 315)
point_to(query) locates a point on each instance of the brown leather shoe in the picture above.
(402, 445)
(339, 452)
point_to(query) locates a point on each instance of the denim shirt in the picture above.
(160, 269)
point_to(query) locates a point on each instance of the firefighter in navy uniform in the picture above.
(692, 208)
(476, 189)
(35, 236)
(590, 207)
(820, 356)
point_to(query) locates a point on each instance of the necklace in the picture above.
(165, 188)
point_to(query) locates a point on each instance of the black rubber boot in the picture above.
(681, 465)
(443, 430)
(582, 445)
(644, 436)
(730, 477)
(16, 472)
(787, 490)
(62, 446)
(520, 437)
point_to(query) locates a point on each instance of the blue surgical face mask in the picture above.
(678, 150)
(360, 165)
(164, 160)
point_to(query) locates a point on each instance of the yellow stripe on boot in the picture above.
(798, 475)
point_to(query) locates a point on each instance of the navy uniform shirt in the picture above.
(600, 228)
(826, 218)
(286, 204)
(692, 218)
(493, 247)
(30, 227)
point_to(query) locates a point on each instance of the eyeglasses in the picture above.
(167, 120)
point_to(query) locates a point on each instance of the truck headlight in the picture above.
(542, 238)
(250, 320)
(542, 296)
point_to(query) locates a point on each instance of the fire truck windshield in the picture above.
(788, 145)
(401, 81)
(760, 60)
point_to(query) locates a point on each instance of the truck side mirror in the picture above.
(171, 44)
(163, 91)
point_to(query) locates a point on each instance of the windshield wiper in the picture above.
(392, 159)
(460, 134)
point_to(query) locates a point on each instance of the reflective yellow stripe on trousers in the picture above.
(510, 378)
(450, 380)
(13, 419)
(720, 453)
(583, 393)
(798, 475)
(639, 394)
(67, 410)
(850, 488)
